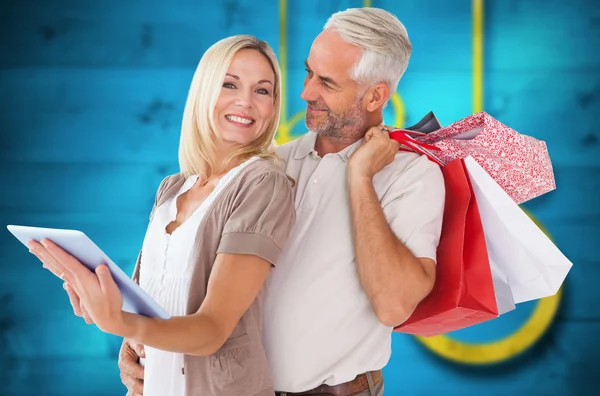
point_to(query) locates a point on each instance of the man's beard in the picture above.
(348, 126)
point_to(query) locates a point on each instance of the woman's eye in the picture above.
(228, 85)
(262, 91)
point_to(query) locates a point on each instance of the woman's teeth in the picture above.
(239, 119)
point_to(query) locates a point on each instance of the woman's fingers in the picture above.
(48, 261)
(74, 300)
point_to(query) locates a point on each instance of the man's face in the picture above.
(334, 106)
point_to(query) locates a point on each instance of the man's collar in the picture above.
(307, 142)
(348, 151)
(306, 145)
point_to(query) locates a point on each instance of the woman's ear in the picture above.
(376, 96)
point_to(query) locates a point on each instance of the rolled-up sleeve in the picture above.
(262, 219)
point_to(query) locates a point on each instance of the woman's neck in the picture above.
(221, 168)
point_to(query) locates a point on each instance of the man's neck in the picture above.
(326, 145)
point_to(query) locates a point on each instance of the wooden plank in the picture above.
(434, 27)
(564, 362)
(534, 104)
(129, 34)
(119, 236)
(92, 115)
(134, 115)
(80, 188)
(576, 237)
(422, 92)
(124, 34)
(581, 293)
(121, 242)
(119, 188)
(576, 195)
(36, 316)
(132, 35)
(530, 35)
(54, 333)
(85, 376)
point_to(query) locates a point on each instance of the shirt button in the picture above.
(315, 180)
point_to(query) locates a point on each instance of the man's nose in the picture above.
(310, 91)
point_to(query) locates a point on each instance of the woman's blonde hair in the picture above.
(198, 142)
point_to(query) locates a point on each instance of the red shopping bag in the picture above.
(463, 294)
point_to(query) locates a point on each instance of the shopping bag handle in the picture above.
(407, 143)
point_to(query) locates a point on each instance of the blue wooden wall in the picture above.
(91, 97)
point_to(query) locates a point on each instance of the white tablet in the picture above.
(76, 243)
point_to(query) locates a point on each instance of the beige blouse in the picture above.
(253, 214)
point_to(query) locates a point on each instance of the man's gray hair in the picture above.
(384, 40)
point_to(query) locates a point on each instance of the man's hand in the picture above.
(377, 151)
(132, 373)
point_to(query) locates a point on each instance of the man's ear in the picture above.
(376, 96)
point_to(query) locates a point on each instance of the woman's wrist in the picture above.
(131, 326)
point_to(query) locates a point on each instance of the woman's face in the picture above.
(245, 105)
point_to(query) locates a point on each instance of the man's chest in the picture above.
(322, 184)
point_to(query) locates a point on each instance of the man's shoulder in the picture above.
(414, 166)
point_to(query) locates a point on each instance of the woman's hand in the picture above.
(96, 293)
(78, 307)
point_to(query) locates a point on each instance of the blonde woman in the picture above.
(215, 231)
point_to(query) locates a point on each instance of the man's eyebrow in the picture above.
(328, 80)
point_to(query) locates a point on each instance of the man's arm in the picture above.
(394, 279)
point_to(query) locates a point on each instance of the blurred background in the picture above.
(91, 98)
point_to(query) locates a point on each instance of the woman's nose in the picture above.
(244, 99)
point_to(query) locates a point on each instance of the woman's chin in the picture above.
(236, 141)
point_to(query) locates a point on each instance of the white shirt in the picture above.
(319, 326)
(165, 274)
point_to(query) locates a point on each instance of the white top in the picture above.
(319, 326)
(165, 274)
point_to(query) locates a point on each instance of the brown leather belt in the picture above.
(354, 387)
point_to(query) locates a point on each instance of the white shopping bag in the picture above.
(520, 252)
(504, 297)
